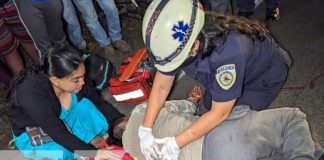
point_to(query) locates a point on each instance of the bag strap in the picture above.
(12, 144)
(104, 80)
(131, 67)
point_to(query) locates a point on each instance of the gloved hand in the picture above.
(170, 149)
(149, 147)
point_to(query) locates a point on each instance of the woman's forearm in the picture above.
(207, 122)
(160, 90)
(154, 106)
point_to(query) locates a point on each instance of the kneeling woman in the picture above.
(58, 100)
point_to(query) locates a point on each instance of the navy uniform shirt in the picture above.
(250, 71)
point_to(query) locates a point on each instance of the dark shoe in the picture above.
(272, 14)
(84, 50)
(109, 50)
(122, 46)
(322, 157)
(245, 14)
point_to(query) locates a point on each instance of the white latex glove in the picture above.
(170, 149)
(149, 147)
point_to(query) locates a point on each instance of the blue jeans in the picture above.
(90, 18)
(249, 5)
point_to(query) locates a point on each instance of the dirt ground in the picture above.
(305, 85)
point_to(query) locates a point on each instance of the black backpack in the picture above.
(2, 2)
(99, 70)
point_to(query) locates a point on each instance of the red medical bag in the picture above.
(134, 84)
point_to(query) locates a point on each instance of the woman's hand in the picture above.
(102, 154)
(149, 147)
(97, 141)
(170, 149)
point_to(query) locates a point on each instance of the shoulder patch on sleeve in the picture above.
(226, 76)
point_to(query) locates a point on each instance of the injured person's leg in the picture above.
(261, 135)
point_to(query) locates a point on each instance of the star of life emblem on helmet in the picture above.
(180, 31)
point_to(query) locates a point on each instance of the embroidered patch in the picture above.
(226, 76)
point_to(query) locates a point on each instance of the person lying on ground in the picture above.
(245, 135)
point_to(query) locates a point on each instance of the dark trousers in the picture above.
(5, 76)
(222, 6)
(44, 23)
(249, 5)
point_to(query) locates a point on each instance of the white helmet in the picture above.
(170, 27)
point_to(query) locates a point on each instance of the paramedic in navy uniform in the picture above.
(236, 60)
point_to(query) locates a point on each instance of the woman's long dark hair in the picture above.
(217, 26)
(59, 62)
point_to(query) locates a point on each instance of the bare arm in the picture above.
(160, 90)
(211, 119)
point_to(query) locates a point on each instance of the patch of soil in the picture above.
(5, 130)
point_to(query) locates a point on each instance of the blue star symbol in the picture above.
(180, 31)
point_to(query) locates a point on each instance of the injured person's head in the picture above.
(119, 129)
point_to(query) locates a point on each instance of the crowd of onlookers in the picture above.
(38, 26)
